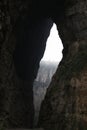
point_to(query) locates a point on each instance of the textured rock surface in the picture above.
(65, 104)
(12, 106)
(21, 48)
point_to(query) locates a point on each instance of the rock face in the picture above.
(23, 38)
(41, 83)
(24, 28)
(65, 104)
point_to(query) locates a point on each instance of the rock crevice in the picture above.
(24, 28)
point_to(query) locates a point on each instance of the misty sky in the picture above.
(53, 52)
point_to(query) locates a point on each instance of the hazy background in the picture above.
(48, 66)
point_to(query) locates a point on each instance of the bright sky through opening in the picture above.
(53, 51)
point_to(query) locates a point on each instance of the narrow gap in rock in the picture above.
(48, 65)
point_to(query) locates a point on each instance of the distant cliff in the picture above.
(42, 81)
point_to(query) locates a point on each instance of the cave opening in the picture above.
(48, 66)
(31, 37)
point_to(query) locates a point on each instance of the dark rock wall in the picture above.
(23, 38)
(23, 22)
(65, 104)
